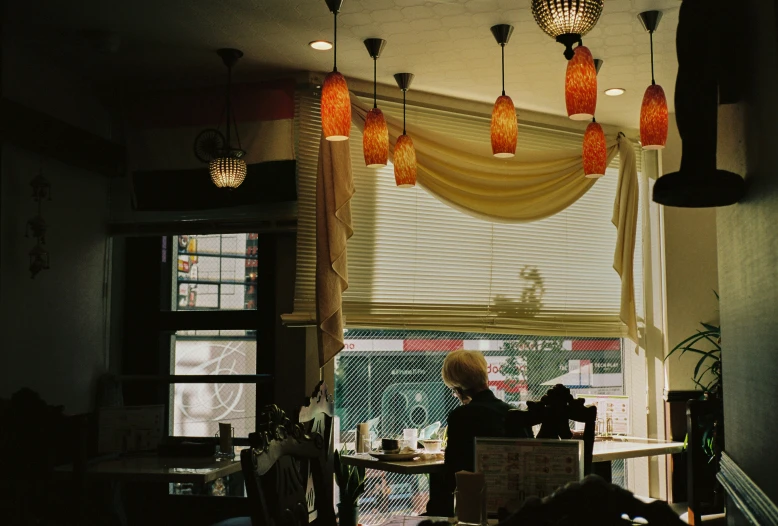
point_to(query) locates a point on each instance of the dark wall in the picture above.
(748, 264)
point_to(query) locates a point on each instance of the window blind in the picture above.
(416, 263)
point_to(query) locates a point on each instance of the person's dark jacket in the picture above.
(483, 417)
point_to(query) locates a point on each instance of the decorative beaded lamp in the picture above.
(567, 20)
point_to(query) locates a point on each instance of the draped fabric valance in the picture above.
(558, 268)
(530, 186)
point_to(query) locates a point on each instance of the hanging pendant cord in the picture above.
(229, 106)
(404, 91)
(651, 37)
(375, 82)
(503, 69)
(335, 44)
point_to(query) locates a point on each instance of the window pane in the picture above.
(391, 379)
(215, 272)
(198, 408)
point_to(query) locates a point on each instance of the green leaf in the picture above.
(701, 362)
(710, 327)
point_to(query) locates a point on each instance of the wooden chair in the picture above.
(553, 413)
(317, 416)
(706, 499)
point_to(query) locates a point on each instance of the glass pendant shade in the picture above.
(595, 154)
(581, 85)
(653, 118)
(505, 128)
(335, 107)
(566, 20)
(228, 172)
(404, 162)
(375, 139)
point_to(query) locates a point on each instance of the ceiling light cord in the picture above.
(375, 82)
(651, 38)
(404, 91)
(502, 47)
(335, 44)
(229, 102)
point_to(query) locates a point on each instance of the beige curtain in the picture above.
(625, 219)
(334, 189)
(527, 187)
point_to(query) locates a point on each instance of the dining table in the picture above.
(606, 450)
(154, 468)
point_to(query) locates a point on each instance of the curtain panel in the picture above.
(516, 246)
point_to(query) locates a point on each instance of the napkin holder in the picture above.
(471, 497)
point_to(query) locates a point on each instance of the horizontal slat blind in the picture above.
(415, 262)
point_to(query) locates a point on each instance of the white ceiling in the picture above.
(445, 43)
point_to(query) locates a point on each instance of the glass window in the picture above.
(198, 408)
(215, 272)
(391, 379)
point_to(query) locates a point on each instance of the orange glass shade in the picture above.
(375, 139)
(505, 129)
(404, 162)
(595, 155)
(653, 118)
(335, 107)
(581, 85)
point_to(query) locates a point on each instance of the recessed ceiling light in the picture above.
(320, 45)
(615, 92)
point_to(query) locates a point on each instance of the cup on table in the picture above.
(390, 445)
(411, 438)
(431, 446)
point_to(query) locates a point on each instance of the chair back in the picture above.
(317, 416)
(553, 413)
(275, 472)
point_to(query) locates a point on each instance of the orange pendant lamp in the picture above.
(375, 138)
(404, 157)
(581, 85)
(595, 154)
(653, 111)
(335, 99)
(505, 128)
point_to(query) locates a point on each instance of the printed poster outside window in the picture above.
(515, 469)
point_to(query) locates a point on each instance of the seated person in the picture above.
(481, 414)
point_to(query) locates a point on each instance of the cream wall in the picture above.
(691, 273)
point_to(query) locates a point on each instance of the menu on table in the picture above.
(517, 468)
(612, 414)
(130, 428)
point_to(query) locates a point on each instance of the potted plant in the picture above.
(351, 483)
(707, 377)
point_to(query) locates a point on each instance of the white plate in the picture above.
(391, 457)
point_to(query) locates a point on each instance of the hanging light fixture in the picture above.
(375, 139)
(595, 155)
(335, 100)
(566, 20)
(581, 85)
(404, 157)
(505, 128)
(227, 167)
(653, 111)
